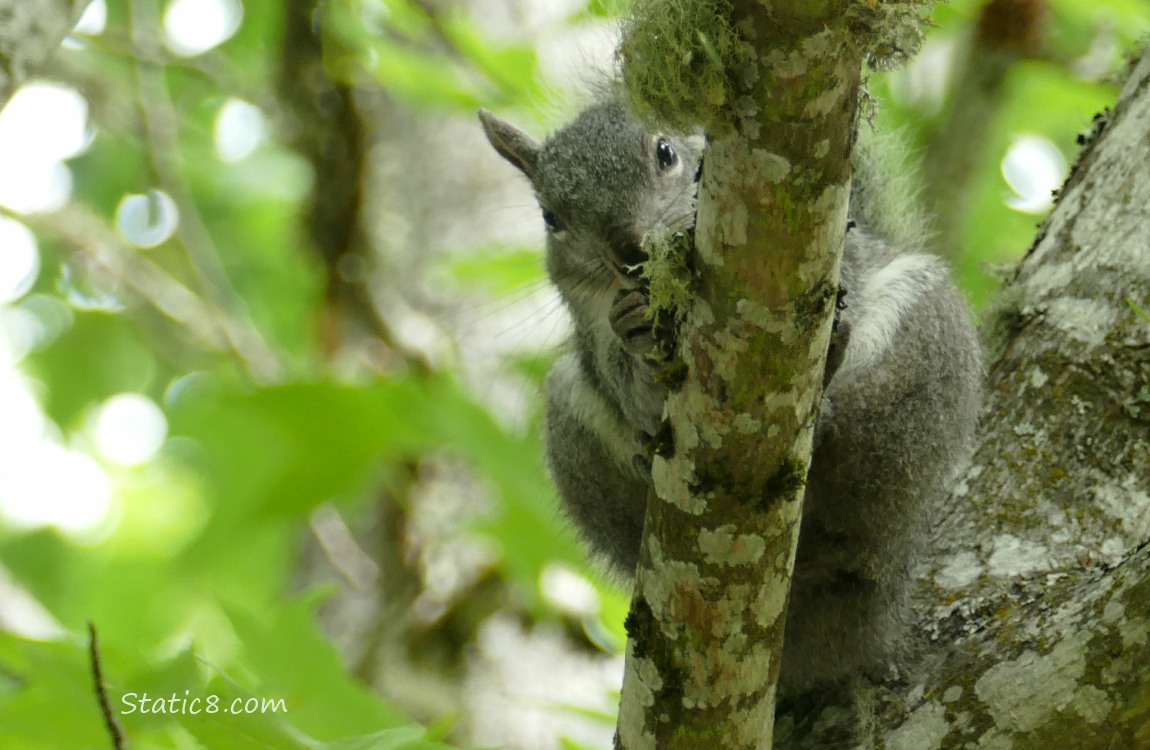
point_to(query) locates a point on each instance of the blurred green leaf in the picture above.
(498, 270)
(100, 355)
(292, 660)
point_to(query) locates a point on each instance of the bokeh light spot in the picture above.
(19, 260)
(129, 429)
(240, 127)
(1033, 168)
(192, 27)
(147, 220)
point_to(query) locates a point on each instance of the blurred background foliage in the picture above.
(272, 327)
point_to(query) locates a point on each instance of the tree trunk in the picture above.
(777, 92)
(30, 32)
(1035, 607)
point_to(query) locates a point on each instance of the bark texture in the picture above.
(30, 33)
(706, 623)
(1035, 608)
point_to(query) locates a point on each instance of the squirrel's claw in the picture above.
(630, 319)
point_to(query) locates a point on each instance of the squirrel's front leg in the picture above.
(630, 318)
(624, 362)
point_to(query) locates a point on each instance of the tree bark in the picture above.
(706, 622)
(30, 33)
(1035, 607)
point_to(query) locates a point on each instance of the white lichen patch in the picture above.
(1092, 704)
(769, 603)
(1020, 693)
(697, 418)
(772, 167)
(924, 729)
(732, 225)
(963, 569)
(787, 64)
(671, 481)
(1022, 429)
(724, 352)
(642, 675)
(705, 242)
(1112, 551)
(745, 424)
(763, 318)
(1013, 556)
(750, 723)
(1050, 277)
(649, 678)
(1116, 670)
(1038, 378)
(995, 740)
(672, 588)
(1086, 320)
(953, 693)
(727, 627)
(1113, 611)
(722, 547)
(1128, 502)
(735, 667)
(701, 313)
(1134, 633)
(830, 99)
(675, 408)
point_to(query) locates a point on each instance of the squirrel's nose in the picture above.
(628, 252)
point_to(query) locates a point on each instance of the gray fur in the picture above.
(898, 415)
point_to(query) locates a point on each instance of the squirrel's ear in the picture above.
(512, 144)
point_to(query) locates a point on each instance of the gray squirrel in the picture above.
(899, 408)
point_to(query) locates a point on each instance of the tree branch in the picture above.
(706, 623)
(1007, 31)
(30, 33)
(115, 731)
(161, 133)
(1034, 608)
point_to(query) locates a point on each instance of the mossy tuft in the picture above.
(678, 57)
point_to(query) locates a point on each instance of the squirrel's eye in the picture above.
(665, 154)
(554, 224)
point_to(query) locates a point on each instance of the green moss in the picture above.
(670, 288)
(670, 282)
(640, 626)
(679, 57)
(889, 32)
(648, 642)
(671, 374)
(786, 482)
(663, 443)
(686, 65)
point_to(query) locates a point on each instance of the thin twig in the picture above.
(115, 731)
(334, 134)
(90, 236)
(162, 142)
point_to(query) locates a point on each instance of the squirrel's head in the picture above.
(605, 185)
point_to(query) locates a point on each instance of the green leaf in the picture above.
(400, 738)
(289, 658)
(498, 270)
(100, 355)
(53, 704)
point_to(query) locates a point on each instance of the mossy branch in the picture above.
(776, 91)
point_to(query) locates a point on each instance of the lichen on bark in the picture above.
(776, 90)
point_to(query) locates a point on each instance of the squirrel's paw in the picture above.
(630, 318)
